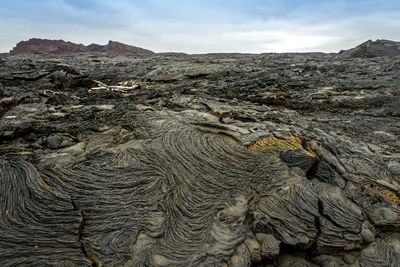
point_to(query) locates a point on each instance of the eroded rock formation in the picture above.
(203, 160)
(45, 46)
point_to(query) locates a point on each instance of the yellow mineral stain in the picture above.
(275, 144)
(45, 185)
(390, 196)
(123, 131)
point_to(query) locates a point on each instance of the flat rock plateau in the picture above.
(200, 160)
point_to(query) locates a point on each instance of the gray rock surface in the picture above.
(199, 160)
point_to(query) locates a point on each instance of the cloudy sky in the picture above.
(203, 26)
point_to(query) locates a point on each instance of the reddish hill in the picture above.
(120, 48)
(44, 46)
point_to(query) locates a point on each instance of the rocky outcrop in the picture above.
(44, 46)
(122, 49)
(95, 47)
(370, 49)
(199, 160)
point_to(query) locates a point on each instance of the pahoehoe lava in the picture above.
(199, 160)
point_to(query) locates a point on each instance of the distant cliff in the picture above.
(45, 46)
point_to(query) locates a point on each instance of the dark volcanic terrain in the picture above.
(200, 160)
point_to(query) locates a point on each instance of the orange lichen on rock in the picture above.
(283, 143)
(278, 144)
(388, 195)
(45, 184)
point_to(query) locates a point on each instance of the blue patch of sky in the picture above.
(88, 11)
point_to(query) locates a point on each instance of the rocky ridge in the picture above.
(371, 48)
(45, 46)
(199, 160)
(122, 49)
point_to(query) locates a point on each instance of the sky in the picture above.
(204, 26)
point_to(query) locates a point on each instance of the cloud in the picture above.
(200, 27)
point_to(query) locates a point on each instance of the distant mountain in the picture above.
(120, 48)
(95, 47)
(45, 46)
(371, 48)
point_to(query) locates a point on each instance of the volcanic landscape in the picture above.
(168, 159)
